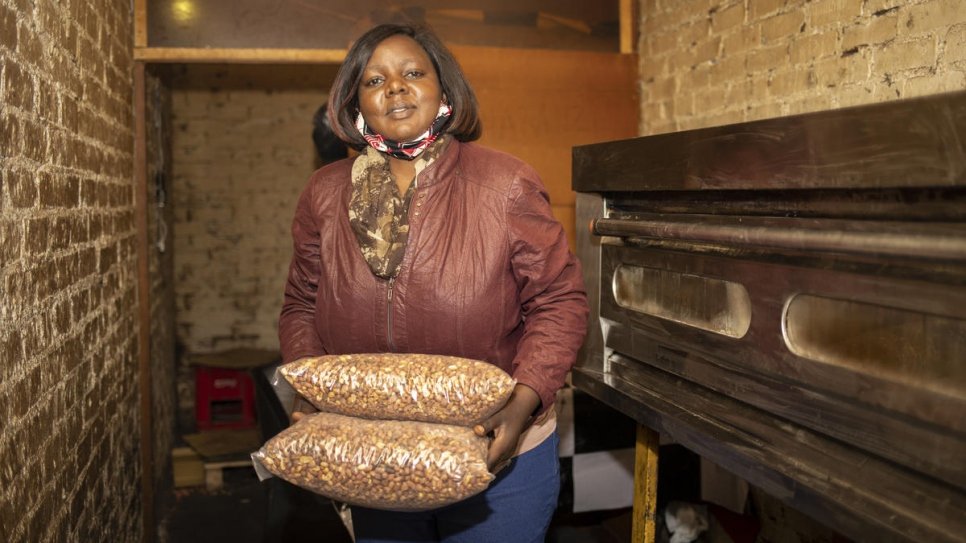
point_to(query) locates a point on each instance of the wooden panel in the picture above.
(140, 23)
(629, 22)
(332, 24)
(539, 104)
(907, 143)
(183, 55)
(854, 493)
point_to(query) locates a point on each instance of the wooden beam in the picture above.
(645, 486)
(244, 56)
(628, 26)
(148, 528)
(140, 23)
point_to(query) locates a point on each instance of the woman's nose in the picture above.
(396, 85)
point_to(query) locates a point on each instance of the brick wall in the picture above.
(241, 154)
(716, 62)
(69, 468)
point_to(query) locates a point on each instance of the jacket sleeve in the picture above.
(551, 290)
(297, 332)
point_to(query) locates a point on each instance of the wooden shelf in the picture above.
(174, 55)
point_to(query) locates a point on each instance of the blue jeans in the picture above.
(516, 508)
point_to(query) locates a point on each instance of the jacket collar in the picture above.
(443, 167)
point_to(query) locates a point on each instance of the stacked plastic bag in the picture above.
(393, 431)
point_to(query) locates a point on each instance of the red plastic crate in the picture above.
(224, 398)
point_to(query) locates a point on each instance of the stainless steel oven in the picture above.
(787, 298)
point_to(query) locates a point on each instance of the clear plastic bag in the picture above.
(397, 465)
(417, 387)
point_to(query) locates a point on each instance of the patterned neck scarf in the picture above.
(378, 214)
(406, 150)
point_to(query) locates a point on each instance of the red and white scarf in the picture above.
(406, 150)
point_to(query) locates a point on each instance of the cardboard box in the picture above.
(188, 468)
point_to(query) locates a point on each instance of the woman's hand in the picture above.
(506, 426)
(302, 408)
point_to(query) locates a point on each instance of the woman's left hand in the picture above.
(506, 426)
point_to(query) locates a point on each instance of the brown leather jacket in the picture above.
(487, 273)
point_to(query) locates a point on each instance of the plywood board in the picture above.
(539, 104)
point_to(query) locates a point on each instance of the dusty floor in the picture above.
(240, 513)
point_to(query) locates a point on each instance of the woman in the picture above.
(427, 243)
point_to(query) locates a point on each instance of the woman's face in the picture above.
(399, 93)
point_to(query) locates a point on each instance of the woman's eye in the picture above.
(413, 74)
(373, 81)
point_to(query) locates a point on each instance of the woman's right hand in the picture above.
(301, 408)
(506, 426)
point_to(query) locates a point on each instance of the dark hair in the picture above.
(329, 147)
(465, 123)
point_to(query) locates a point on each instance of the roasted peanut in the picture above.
(417, 387)
(399, 465)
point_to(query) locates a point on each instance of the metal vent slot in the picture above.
(893, 343)
(713, 305)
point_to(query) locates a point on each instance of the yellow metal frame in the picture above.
(645, 486)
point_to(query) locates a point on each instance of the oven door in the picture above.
(799, 354)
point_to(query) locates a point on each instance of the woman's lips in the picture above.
(400, 111)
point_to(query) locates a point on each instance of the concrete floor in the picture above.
(239, 513)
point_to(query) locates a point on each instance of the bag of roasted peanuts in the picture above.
(395, 386)
(397, 465)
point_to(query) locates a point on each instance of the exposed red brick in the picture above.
(11, 347)
(21, 188)
(18, 85)
(59, 190)
(33, 140)
(858, 52)
(8, 26)
(37, 235)
(107, 259)
(10, 238)
(30, 47)
(67, 190)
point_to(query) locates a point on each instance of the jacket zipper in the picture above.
(392, 280)
(389, 315)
